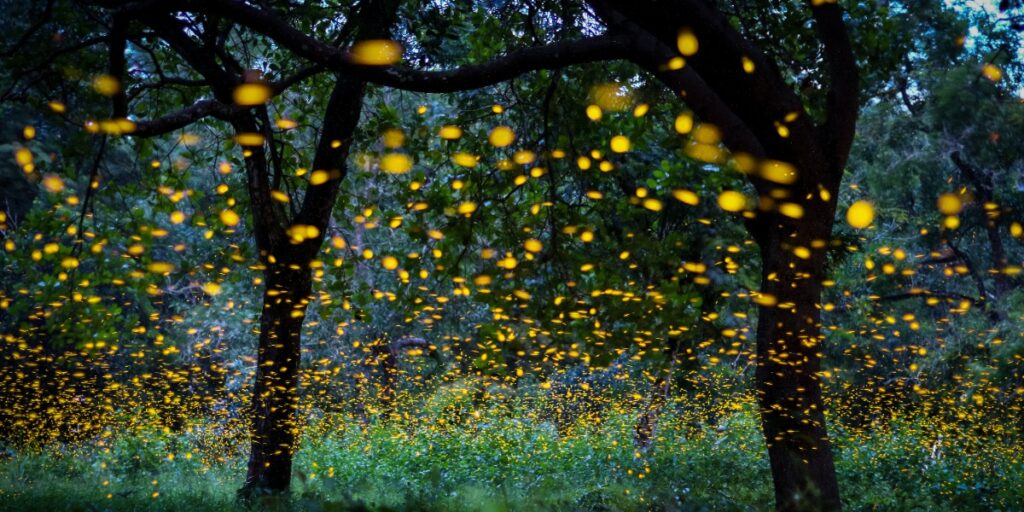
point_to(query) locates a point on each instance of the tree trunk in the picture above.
(789, 359)
(984, 190)
(288, 276)
(276, 397)
(385, 364)
(746, 106)
(647, 424)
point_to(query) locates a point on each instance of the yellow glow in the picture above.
(653, 204)
(686, 196)
(249, 139)
(748, 65)
(376, 52)
(991, 72)
(450, 132)
(732, 201)
(684, 124)
(106, 85)
(396, 163)
(949, 204)
(501, 136)
(620, 144)
(393, 138)
(251, 94)
(687, 43)
(229, 217)
(860, 214)
(465, 159)
(467, 208)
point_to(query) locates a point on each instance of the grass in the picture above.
(509, 462)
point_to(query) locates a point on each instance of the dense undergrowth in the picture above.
(506, 460)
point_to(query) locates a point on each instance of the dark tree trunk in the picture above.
(288, 276)
(788, 362)
(287, 294)
(747, 107)
(984, 189)
(275, 396)
(644, 432)
(385, 364)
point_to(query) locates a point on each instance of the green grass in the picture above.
(508, 463)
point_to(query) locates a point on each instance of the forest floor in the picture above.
(511, 462)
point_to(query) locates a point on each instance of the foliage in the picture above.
(513, 278)
(508, 461)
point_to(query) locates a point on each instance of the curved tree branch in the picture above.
(843, 96)
(213, 108)
(184, 117)
(985, 191)
(758, 95)
(651, 55)
(557, 55)
(551, 56)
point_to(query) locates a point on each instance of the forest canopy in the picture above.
(511, 255)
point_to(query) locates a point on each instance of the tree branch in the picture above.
(652, 55)
(984, 189)
(552, 56)
(843, 96)
(184, 117)
(758, 96)
(43, 19)
(506, 67)
(94, 171)
(213, 108)
(978, 280)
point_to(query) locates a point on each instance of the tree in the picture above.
(932, 155)
(288, 242)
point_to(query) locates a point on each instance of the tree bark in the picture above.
(289, 276)
(789, 361)
(288, 287)
(276, 396)
(745, 106)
